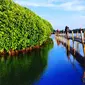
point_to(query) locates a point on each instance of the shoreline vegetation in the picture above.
(26, 50)
(21, 29)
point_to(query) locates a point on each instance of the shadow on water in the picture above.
(25, 68)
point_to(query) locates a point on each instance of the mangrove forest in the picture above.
(20, 27)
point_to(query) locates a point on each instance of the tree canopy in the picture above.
(20, 27)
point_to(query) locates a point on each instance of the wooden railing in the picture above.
(65, 40)
(79, 37)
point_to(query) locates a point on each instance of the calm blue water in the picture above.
(49, 65)
(61, 69)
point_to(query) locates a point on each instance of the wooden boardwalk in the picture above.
(76, 55)
(73, 51)
(75, 39)
(79, 37)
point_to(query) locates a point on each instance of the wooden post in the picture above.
(77, 43)
(73, 48)
(68, 43)
(77, 34)
(73, 42)
(72, 36)
(84, 49)
(84, 44)
(63, 33)
(62, 36)
(77, 46)
(67, 34)
(82, 37)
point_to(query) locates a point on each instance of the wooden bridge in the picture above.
(65, 40)
(80, 40)
(79, 37)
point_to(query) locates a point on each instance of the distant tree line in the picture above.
(70, 31)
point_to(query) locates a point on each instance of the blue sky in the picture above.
(58, 12)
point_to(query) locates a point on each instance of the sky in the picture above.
(58, 12)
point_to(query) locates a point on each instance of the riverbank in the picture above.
(25, 50)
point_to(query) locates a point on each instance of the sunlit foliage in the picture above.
(20, 27)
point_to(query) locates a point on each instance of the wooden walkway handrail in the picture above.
(74, 52)
(77, 38)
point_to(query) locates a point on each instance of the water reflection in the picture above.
(75, 52)
(83, 78)
(68, 52)
(83, 45)
(58, 42)
(25, 68)
(77, 47)
(68, 49)
(67, 46)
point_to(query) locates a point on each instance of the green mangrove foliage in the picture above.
(24, 69)
(20, 27)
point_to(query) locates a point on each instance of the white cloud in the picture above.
(75, 5)
(27, 3)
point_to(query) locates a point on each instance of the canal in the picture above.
(49, 65)
(62, 68)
